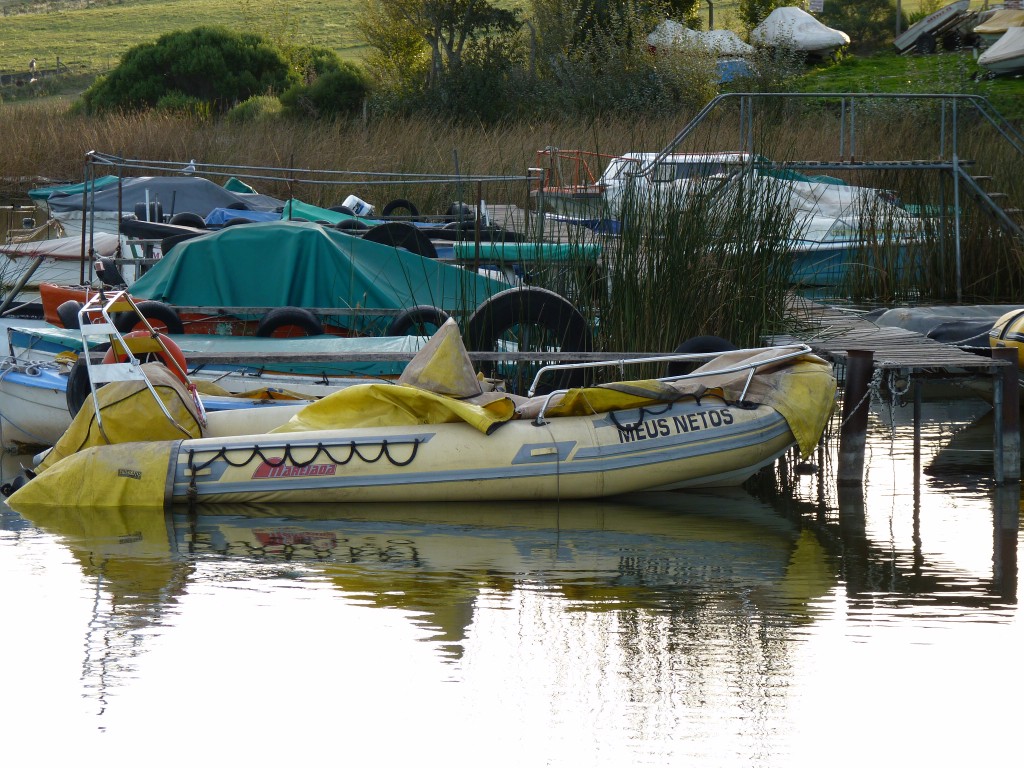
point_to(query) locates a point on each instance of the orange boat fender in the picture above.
(171, 356)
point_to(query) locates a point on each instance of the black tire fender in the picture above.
(402, 234)
(503, 311)
(169, 242)
(417, 318)
(398, 205)
(352, 226)
(164, 316)
(68, 314)
(283, 317)
(78, 380)
(188, 219)
(694, 345)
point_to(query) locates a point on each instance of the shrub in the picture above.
(210, 64)
(338, 92)
(255, 109)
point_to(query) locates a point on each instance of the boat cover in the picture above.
(721, 42)
(298, 264)
(1000, 21)
(1006, 54)
(790, 27)
(102, 244)
(176, 194)
(129, 414)
(802, 390)
(42, 194)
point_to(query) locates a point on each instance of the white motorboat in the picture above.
(1006, 55)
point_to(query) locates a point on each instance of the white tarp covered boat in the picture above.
(797, 30)
(59, 260)
(721, 42)
(438, 436)
(1006, 55)
(995, 26)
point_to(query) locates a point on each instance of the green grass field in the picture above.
(92, 37)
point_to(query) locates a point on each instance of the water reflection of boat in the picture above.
(436, 560)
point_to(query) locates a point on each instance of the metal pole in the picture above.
(956, 211)
(853, 430)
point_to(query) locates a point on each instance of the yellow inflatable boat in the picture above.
(436, 435)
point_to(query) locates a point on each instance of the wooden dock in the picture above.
(833, 332)
(895, 363)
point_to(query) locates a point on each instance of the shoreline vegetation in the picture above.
(677, 278)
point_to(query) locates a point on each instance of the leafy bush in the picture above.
(210, 64)
(753, 12)
(869, 23)
(177, 103)
(255, 109)
(339, 91)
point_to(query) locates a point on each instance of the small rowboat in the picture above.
(436, 435)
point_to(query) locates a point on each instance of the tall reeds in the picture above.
(711, 260)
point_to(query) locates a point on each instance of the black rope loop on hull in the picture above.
(288, 457)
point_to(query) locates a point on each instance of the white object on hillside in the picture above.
(1006, 54)
(722, 42)
(799, 31)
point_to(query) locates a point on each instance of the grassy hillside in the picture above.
(90, 37)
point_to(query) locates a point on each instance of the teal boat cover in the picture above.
(43, 193)
(300, 264)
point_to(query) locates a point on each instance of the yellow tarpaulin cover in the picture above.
(802, 390)
(130, 474)
(438, 386)
(130, 413)
(386, 405)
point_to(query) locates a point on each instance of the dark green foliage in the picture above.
(312, 61)
(753, 12)
(210, 64)
(869, 23)
(489, 85)
(341, 91)
(255, 109)
(685, 11)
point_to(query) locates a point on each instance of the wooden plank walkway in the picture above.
(833, 332)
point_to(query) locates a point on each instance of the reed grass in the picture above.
(693, 266)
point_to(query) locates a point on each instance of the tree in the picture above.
(446, 26)
(869, 23)
(211, 65)
(753, 12)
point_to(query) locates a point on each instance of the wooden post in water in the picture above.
(854, 427)
(1006, 514)
(1007, 405)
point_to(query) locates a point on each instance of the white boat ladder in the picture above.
(95, 320)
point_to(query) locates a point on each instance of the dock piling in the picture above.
(856, 405)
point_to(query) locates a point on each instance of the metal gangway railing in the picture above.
(128, 351)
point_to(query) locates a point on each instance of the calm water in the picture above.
(779, 626)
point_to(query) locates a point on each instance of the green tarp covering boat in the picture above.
(296, 264)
